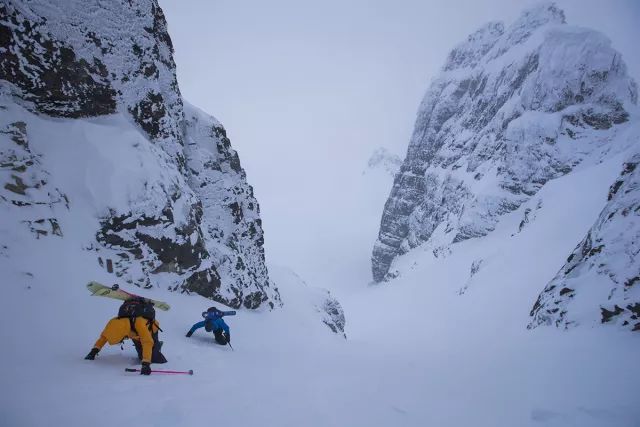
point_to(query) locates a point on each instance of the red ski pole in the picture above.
(189, 372)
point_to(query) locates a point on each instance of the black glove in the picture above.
(189, 334)
(145, 369)
(92, 354)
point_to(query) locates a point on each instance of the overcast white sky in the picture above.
(307, 90)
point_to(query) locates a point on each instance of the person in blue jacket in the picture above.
(213, 322)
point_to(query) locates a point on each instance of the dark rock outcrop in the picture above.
(333, 315)
(32, 61)
(600, 282)
(24, 182)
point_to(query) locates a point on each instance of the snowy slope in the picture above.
(445, 346)
(513, 108)
(416, 355)
(244, 385)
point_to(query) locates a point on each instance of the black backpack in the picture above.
(137, 307)
(140, 307)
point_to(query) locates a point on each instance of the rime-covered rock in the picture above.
(84, 59)
(24, 182)
(310, 301)
(231, 214)
(188, 219)
(382, 159)
(513, 108)
(600, 281)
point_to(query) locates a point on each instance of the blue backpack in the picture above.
(212, 314)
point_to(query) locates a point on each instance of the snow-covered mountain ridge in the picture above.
(514, 108)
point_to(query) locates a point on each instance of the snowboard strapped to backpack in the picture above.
(137, 307)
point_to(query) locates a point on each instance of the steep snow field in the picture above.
(418, 351)
(462, 317)
(443, 343)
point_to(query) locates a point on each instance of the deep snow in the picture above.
(444, 344)
(417, 352)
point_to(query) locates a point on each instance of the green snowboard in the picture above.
(100, 290)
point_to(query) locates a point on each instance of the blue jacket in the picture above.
(215, 322)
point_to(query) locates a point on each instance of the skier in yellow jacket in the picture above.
(143, 331)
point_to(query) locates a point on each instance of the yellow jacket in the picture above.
(118, 329)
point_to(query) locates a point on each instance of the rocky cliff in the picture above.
(514, 107)
(174, 207)
(600, 281)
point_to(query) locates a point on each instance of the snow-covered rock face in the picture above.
(600, 281)
(231, 215)
(170, 200)
(513, 108)
(83, 59)
(25, 183)
(309, 299)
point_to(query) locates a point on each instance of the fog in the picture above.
(307, 91)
